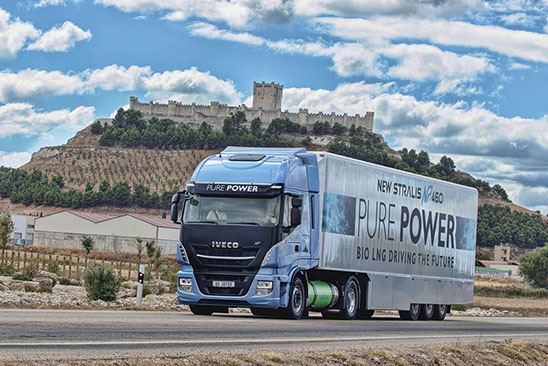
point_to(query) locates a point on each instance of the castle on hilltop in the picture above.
(267, 105)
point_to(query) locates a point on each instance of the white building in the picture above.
(23, 230)
(65, 229)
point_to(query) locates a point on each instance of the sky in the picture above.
(463, 78)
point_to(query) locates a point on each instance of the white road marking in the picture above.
(260, 341)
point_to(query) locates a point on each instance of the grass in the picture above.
(510, 291)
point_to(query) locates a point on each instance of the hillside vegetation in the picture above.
(137, 162)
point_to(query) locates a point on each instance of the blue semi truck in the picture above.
(284, 231)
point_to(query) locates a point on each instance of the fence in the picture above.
(69, 266)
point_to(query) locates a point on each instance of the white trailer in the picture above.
(413, 236)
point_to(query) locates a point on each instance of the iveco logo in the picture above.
(225, 244)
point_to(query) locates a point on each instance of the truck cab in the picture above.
(248, 225)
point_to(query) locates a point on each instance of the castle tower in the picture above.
(267, 96)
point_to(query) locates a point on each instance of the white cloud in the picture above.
(243, 13)
(236, 13)
(359, 8)
(520, 19)
(413, 61)
(209, 31)
(519, 66)
(24, 119)
(456, 87)
(191, 85)
(14, 34)
(60, 39)
(28, 84)
(14, 159)
(46, 3)
(526, 45)
(115, 77)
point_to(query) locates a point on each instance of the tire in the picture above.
(297, 299)
(201, 310)
(439, 312)
(351, 299)
(411, 314)
(426, 312)
(366, 314)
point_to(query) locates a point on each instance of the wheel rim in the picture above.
(415, 308)
(429, 308)
(297, 298)
(351, 299)
(443, 309)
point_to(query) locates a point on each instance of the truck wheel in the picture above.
(366, 314)
(297, 300)
(439, 312)
(412, 313)
(426, 312)
(201, 310)
(351, 299)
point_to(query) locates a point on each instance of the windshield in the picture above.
(233, 210)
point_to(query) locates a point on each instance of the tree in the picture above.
(6, 228)
(97, 128)
(534, 267)
(500, 192)
(255, 126)
(87, 243)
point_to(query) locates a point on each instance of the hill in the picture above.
(135, 165)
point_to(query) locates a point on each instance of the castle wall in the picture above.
(215, 114)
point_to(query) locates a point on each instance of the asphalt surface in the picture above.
(60, 334)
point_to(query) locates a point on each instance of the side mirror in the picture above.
(175, 207)
(295, 216)
(296, 204)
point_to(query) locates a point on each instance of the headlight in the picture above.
(264, 288)
(185, 284)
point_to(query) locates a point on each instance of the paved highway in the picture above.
(59, 334)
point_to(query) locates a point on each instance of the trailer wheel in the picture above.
(426, 312)
(351, 298)
(297, 299)
(201, 310)
(439, 312)
(411, 314)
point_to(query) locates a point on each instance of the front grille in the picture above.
(242, 282)
(224, 256)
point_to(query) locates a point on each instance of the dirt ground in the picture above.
(506, 353)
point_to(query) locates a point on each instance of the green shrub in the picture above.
(53, 267)
(22, 277)
(459, 307)
(534, 267)
(6, 270)
(101, 283)
(68, 282)
(146, 290)
(32, 269)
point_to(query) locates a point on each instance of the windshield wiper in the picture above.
(243, 223)
(202, 222)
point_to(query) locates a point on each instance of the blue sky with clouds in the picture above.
(467, 78)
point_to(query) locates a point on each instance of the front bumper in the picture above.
(276, 299)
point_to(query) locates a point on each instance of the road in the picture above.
(60, 334)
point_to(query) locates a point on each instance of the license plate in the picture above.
(224, 284)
